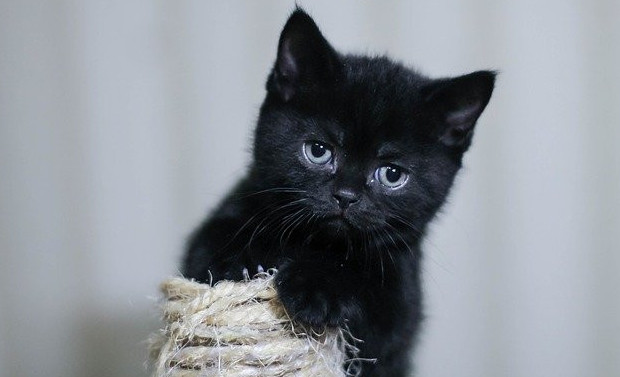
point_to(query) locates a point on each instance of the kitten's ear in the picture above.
(457, 103)
(305, 58)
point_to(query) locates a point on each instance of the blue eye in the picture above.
(391, 176)
(317, 153)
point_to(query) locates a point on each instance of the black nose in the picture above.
(345, 197)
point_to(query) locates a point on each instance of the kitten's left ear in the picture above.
(457, 103)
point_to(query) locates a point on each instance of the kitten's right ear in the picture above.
(305, 58)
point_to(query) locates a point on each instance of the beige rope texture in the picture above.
(239, 329)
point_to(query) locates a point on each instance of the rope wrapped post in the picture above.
(239, 329)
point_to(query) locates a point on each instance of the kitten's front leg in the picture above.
(318, 294)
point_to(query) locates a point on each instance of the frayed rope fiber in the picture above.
(239, 329)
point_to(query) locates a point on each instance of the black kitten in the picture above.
(353, 156)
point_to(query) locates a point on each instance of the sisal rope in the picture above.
(239, 329)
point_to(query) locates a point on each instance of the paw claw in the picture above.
(260, 268)
(246, 274)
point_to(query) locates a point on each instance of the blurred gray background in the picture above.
(122, 123)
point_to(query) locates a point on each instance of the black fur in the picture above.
(346, 245)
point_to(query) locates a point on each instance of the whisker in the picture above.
(260, 228)
(401, 238)
(376, 238)
(388, 249)
(407, 223)
(294, 225)
(270, 190)
(288, 223)
(261, 211)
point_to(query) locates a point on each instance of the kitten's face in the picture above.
(368, 143)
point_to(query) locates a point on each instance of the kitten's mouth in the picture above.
(339, 222)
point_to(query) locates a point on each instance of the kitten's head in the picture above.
(370, 142)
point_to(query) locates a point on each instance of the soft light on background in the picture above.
(122, 123)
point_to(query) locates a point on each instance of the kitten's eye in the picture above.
(317, 153)
(391, 176)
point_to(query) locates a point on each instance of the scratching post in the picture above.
(239, 329)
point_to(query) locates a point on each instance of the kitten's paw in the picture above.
(313, 299)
